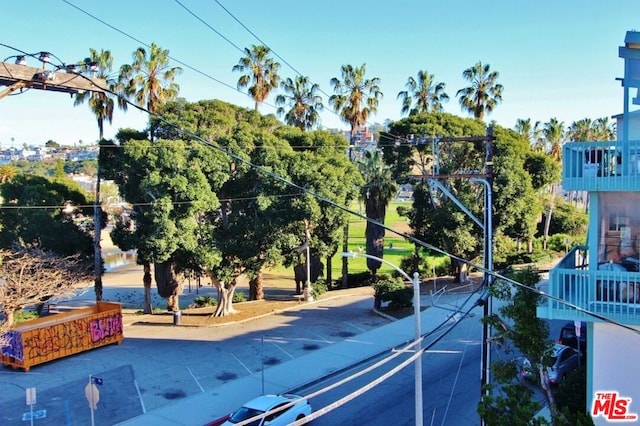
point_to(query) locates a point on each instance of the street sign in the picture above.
(40, 414)
(577, 325)
(93, 395)
(31, 396)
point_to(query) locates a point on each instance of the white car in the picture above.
(298, 408)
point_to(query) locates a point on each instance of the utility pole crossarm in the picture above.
(22, 76)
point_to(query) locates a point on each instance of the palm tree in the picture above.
(603, 130)
(261, 72)
(553, 132)
(304, 102)
(581, 130)
(532, 133)
(423, 94)
(7, 173)
(377, 192)
(356, 97)
(101, 103)
(523, 127)
(149, 80)
(484, 93)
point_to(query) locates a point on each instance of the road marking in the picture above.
(196, 380)
(285, 352)
(355, 326)
(144, 409)
(323, 339)
(240, 362)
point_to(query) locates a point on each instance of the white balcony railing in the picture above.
(601, 166)
(612, 294)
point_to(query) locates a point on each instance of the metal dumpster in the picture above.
(56, 336)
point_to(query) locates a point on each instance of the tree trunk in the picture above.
(97, 250)
(9, 318)
(345, 261)
(146, 280)
(256, 287)
(225, 294)
(169, 287)
(547, 224)
(329, 275)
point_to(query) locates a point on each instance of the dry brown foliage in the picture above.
(30, 276)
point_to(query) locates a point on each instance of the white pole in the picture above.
(91, 402)
(416, 311)
(418, 346)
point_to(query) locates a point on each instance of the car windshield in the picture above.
(245, 413)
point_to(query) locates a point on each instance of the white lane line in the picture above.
(323, 338)
(196, 380)
(240, 362)
(285, 352)
(355, 326)
(144, 409)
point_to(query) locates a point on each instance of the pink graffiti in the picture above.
(105, 327)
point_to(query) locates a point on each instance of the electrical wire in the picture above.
(345, 209)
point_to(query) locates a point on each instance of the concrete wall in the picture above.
(615, 366)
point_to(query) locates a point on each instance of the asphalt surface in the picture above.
(157, 365)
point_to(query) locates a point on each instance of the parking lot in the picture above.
(157, 364)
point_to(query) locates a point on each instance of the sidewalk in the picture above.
(224, 399)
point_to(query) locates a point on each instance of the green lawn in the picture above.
(396, 247)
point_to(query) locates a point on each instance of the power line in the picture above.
(345, 209)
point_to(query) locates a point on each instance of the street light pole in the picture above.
(418, 333)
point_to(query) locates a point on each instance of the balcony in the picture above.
(601, 166)
(614, 294)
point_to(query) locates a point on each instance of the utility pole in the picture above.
(18, 76)
(486, 178)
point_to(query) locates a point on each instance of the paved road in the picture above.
(158, 364)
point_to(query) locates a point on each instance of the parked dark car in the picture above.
(563, 361)
(568, 337)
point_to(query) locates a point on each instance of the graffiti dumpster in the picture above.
(56, 336)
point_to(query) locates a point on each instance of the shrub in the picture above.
(557, 242)
(318, 288)
(427, 265)
(239, 296)
(359, 279)
(24, 315)
(393, 291)
(202, 301)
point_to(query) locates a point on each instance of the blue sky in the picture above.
(555, 58)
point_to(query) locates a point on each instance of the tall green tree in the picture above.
(303, 102)
(484, 93)
(378, 190)
(171, 188)
(37, 216)
(423, 94)
(516, 325)
(317, 168)
(356, 97)
(260, 73)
